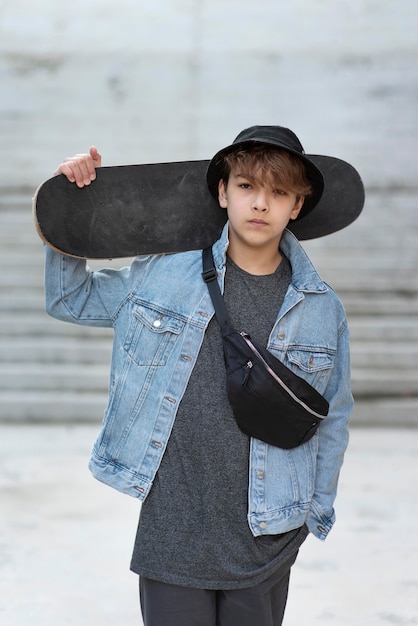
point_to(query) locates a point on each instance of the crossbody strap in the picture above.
(209, 275)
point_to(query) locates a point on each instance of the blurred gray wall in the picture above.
(177, 79)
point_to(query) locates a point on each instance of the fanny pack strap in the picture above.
(210, 277)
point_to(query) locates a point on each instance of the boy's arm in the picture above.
(73, 292)
(333, 441)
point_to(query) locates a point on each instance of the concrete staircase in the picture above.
(51, 371)
(373, 267)
(48, 370)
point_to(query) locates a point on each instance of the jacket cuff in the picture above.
(319, 524)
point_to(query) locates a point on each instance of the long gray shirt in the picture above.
(193, 527)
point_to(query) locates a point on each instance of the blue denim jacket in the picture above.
(159, 308)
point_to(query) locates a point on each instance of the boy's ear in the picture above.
(297, 208)
(222, 194)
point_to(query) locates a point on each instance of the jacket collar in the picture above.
(304, 275)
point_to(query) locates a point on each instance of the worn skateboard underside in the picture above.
(128, 211)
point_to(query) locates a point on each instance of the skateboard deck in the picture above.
(132, 210)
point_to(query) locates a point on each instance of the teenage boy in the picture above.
(223, 515)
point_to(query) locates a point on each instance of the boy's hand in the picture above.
(81, 168)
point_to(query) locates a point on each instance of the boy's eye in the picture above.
(245, 185)
(280, 192)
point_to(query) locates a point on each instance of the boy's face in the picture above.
(257, 214)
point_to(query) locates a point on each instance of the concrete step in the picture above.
(15, 196)
(17, 221)
(391, 382)
(391, 412)
(371, 303)
(23, 277)
(24, 240)
(13, 217)
(55, 351)
(52, 406)
(386, 328)
(22, 259)
(38, 323)
(366, 260)
(391, 280)
(67, 377)
(386, 356)
(19, 233)
(29, 300)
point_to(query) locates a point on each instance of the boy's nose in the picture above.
(260, 201)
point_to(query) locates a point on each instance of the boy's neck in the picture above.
(253, 261)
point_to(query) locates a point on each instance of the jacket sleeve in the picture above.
(333, 440)
(74, 293)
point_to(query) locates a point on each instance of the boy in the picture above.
(223, 515)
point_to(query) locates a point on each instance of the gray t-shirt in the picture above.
(193, 528)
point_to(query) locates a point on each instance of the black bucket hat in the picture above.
(337, 197)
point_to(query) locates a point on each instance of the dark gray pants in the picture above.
(171, 605)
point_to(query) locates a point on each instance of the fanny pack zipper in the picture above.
(276, 377)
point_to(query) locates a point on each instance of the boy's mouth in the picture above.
(258, 222)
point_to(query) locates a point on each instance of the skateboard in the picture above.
(132, 210)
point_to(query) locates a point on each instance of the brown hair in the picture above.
(269, 166)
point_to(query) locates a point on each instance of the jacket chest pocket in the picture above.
(152, 336)
(312, 364)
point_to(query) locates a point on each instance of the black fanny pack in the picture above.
(269, 401)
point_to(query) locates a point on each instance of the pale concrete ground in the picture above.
(66, 539)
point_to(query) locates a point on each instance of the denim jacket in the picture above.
(159, 308)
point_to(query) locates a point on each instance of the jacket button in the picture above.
(260, 474)
(321, 529)
(281, 335)
(263, 525)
